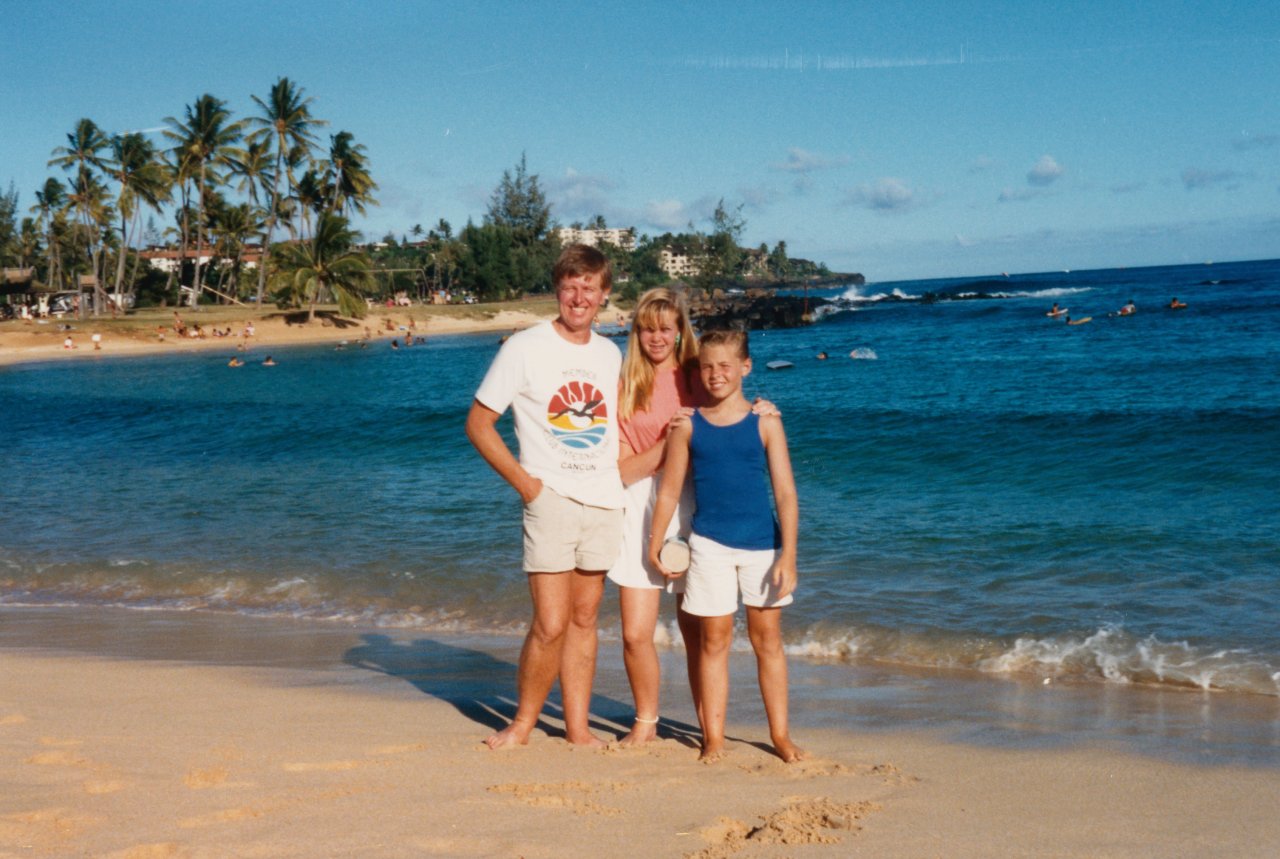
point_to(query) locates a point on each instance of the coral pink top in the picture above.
(645, 429)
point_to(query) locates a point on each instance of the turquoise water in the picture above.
(983, 489)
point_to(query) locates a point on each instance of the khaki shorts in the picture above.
(561, 534)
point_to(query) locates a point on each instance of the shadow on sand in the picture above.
(483, 688)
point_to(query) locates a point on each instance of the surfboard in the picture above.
(779, 365)
(1061, 311)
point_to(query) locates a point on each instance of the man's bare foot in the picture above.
(512, 735)
(641, 732)
(788, 751)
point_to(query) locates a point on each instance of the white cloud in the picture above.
(1045, 172)
(578, 195)
(667, 214)
(886, 195)
(803, 161)
(982, 164)
(757, 198)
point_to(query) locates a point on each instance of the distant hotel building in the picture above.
(624, 238)
(676, 261)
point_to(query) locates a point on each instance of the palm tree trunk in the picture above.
(198, 286)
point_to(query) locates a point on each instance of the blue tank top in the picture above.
(734, 504)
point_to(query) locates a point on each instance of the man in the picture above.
(561, 381)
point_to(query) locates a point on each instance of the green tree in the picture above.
(519, 206)
(485, 265)
(327, 263)
(206, 136)
(253, 166)
(141, 181)
(83, 154)
(9, 228)
(287, 124)
(346, 178)
(51, 202)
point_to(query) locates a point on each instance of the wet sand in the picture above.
(156, 734)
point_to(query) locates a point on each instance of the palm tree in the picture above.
(309, 196)
(347, 178)
(287, 124)
(205, 137)
(89, 197)
(51, 201)
(328, 262)
(142, 181)
(82, 153)
(232, 226)
(253, 165)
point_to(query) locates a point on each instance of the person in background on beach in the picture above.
(235, 362)
(1129, 309)
(822, 356)
(1175, 304)
(560, 379)
(68, 343)
(269, 361)
(97, 341)
(737, 544)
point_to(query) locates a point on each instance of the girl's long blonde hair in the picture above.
(637, 371)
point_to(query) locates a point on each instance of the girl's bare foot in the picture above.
(642, 731)
(586, 740)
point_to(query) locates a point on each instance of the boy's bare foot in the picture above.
(712, 753)
(514, 734)
(788, 751)
(641, 732)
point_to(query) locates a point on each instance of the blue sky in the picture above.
(902, 140)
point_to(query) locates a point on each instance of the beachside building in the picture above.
(624, 237)
(168, 259)
(676, 261)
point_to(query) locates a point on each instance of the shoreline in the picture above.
(26, 342)
(181, 735)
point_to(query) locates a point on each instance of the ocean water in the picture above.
(984, 490)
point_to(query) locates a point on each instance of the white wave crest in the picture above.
(1117, 657)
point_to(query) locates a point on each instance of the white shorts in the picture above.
(633, 569)
(718, 572)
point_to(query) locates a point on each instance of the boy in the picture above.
(737, 544)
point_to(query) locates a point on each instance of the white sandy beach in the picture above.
(274, 746)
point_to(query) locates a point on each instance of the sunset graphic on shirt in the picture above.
(578, 415)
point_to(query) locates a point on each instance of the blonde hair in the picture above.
(638, 372)
(734, 339)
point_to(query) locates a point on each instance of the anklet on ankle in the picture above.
(652, 721)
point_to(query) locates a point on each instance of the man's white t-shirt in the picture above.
(564, 398)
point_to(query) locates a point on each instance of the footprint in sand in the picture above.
(398, 750)
(802, 821)
(320, 766)
(201, 779)
(566, 795)
(101, 787)
(167, 850)
(13, 719)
